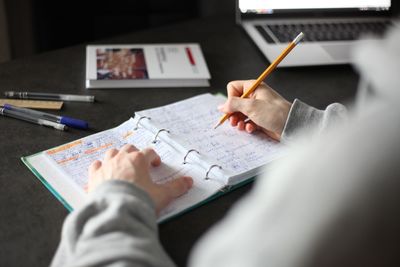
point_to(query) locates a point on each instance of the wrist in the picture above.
(285, 107)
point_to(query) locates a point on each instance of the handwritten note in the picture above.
(194, 119)
(75, 158)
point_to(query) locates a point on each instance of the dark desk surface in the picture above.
(31, 218)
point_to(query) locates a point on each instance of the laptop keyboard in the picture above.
(320, 32)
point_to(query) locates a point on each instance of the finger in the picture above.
(174, 189)
(151, 156)
(240, 125)
(94, 167)
(179, 186)
(111, 153)
(250, 127)
(234, 119)
(128, 148)
(169, 191)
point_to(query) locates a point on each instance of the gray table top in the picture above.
(31, 217)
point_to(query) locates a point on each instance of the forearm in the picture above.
(303, 118)
(117, 225)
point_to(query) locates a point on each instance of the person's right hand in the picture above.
(265, 109)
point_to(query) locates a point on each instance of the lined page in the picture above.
(73, 160)
(193, 121)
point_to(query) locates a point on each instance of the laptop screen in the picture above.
(279, 6)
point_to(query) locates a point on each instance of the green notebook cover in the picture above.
(25, 160)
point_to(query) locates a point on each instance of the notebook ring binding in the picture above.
(137, 123)
(159, 131)
(187, 153)
(209, 169)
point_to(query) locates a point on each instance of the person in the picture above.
(333, 201)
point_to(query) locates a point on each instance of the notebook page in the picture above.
(193, 120)
(73, 160)
(166, 136)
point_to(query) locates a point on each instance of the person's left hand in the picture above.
(131, 165)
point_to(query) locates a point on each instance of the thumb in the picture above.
(237, 104)
(179, 186)
(171, 190)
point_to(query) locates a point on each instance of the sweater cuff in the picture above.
(120, 187)
(301, 117)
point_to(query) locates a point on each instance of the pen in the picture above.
(32, 119)
(266, 73)
(48, 96)
(71, 122)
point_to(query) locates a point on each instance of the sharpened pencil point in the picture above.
(216, 126)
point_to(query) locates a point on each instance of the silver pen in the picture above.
(49, 96)
(71, 122)
(32, 119)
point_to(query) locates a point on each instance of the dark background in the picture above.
(36, 26)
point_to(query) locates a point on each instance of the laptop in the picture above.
(331, 27)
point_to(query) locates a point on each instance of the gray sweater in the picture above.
(332, 202)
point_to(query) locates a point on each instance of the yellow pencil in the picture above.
(266, 73)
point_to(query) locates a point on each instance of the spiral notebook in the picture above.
(182, 134)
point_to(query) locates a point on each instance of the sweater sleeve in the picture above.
(305, 119)
(116, 227)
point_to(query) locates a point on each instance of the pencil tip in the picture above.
(216, 126)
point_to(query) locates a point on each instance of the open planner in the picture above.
(182, 134)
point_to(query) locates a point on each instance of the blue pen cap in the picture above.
(74, 123)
